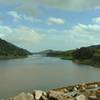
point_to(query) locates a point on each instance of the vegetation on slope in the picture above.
(8, 50)
(84, 55)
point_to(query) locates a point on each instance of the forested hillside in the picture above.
(85, 55)
(8, 50)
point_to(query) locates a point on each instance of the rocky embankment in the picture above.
(84, 91)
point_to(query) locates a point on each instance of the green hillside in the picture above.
(8, 50)
(85, 55)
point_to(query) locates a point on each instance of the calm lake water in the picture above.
(37, 72)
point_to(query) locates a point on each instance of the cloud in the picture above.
(31, 19)
(54, 20)
(90, 29)
(32, 7)
(20, 34)
(73, 4)
(20, 17)
(79, 35)
(15, 15)
(85, 34)
(27, 34)
(96, 20)
(5, 29)
(21, 6)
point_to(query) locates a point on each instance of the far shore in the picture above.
(12, 57)
(77, 61)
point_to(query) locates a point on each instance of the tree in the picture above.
(83, 53)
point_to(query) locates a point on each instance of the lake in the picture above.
(38, 72)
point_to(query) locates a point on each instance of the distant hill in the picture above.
(85, 55)
(8, 50)
(45, 51)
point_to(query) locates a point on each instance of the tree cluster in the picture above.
(8, 49)
(83, 53)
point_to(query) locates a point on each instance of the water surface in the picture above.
(37, 72)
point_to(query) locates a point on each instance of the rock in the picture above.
(43, 98)
(63, 90)
(75, 89)
(56, 95)
(39, 94)
(52, 98)
(29, 96)
(81, 97)
(76, 92)
(21, 96)
(24, 96)
(92, 86)
(86, 93)
(82, 87)
(92, 95)
(98, 94)
(92, 98)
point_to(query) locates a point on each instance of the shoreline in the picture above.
(87, 62)
(85, 91)
(13, 57)
(82, 62)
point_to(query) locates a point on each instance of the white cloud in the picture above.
(79, 35)
(20, 34)
(87, 29)
(30, 19)
(96, 20)
(85, 34)
(54, 20)
(27, 34)
(31, 7)
(73, 4)
(5, 29)
(15, 15)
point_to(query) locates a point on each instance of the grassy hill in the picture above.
(8, 50)
(85, 55)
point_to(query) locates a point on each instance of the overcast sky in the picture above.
(50, 24)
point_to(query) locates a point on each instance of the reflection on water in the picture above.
(37, 72)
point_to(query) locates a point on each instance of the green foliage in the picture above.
(83, 53)
(9, 50)
(96, 57)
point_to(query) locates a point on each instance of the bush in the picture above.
(83, 53)
(96, 57)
